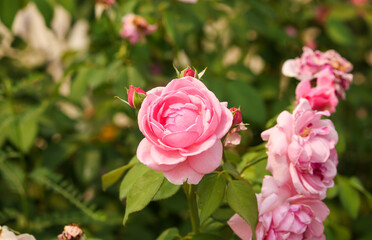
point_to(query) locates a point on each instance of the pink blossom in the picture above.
(183, 124)
(291, 31)
(323, 96)
(301, 150)
(135, 28)
(283, 215)
(359, 2)
(312, 62)
(233, 137)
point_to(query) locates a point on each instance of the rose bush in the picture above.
(301, 150)
(183, 124)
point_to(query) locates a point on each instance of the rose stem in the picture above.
(190, 192)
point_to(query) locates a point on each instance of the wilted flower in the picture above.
(135, 28)
(72, 232)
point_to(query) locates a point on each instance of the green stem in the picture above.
(190, 192)
(24, 199)
(254, 161)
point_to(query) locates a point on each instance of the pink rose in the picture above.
(312, 62)
(282, 215)
(135, 28)
(321, 97)
(183, 124)
(301, 150)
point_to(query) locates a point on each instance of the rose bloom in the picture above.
(183, 124)
(6, 234)
(282, 215)
(301, 150)
(323, 96)
(135, 28)
(312, 62)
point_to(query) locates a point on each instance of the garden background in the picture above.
(62, 62)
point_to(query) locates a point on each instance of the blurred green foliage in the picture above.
(61, 128)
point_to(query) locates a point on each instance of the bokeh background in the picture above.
(62, 62)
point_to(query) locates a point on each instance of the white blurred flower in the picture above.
(6, 234)
(44, 45)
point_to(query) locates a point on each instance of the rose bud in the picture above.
(135, 96)
(189, 72)
(237, 115)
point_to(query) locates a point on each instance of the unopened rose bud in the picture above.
(189, 72)
(237, 115)
(135, 96)
(72, 232)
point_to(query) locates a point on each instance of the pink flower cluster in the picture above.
(301, 155)
(283, 214)
(135, 28)
(328, 69)
(183, 124)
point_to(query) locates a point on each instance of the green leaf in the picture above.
(339, 32)
(170, 28)
(132, 176)
(13, 176)
(113, 176)
(8, 10)
(349, 197)
(23, 129)
(169, 234)
(242, 199)
(211, 192)
(79, 84)
(166, 190)
(142, 192)
(253, 109)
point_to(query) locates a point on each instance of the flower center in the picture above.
(305, 132)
